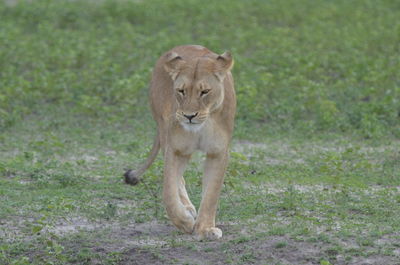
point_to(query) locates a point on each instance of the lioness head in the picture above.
(198, 86)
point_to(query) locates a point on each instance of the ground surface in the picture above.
(314, 174)
(285, 201)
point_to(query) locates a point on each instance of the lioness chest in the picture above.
(209, 139)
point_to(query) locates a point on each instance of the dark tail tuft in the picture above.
(131, 177)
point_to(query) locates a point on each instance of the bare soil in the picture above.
(160, 243)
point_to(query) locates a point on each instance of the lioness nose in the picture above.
(190, 117)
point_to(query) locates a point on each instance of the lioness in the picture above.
(193, 102)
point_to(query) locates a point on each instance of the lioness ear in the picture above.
(173, 64)
(224, 64)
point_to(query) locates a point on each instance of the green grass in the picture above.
(63, 199)
(309, 66)
(314, 173)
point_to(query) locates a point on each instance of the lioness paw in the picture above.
(185, 222)
(212, 233)
(192, 211)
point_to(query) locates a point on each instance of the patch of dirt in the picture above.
(175, 255)
(160, 243)
(75, 224)
(289, 154)
(269, 250)
(248, 148)
(375, 260)
(140, 256)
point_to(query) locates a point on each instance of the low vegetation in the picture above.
(314, 176)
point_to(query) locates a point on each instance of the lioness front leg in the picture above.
(173, 193)
(185, 198)
(213, 178)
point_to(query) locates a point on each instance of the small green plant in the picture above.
(290, 198)
(341, 166)
(238, 167)
(325, 262)
(281, 244)
(110, 211)
(248, 257)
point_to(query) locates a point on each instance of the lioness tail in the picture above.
(132, 177)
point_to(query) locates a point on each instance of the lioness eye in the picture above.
(204, 92)
(181, 91)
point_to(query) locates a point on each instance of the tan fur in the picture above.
(178, 81)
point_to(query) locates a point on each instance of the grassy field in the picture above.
(314, 175)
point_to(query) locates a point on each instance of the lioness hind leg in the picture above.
(180, 215)
(185, 198)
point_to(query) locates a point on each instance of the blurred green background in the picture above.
(304, 67)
